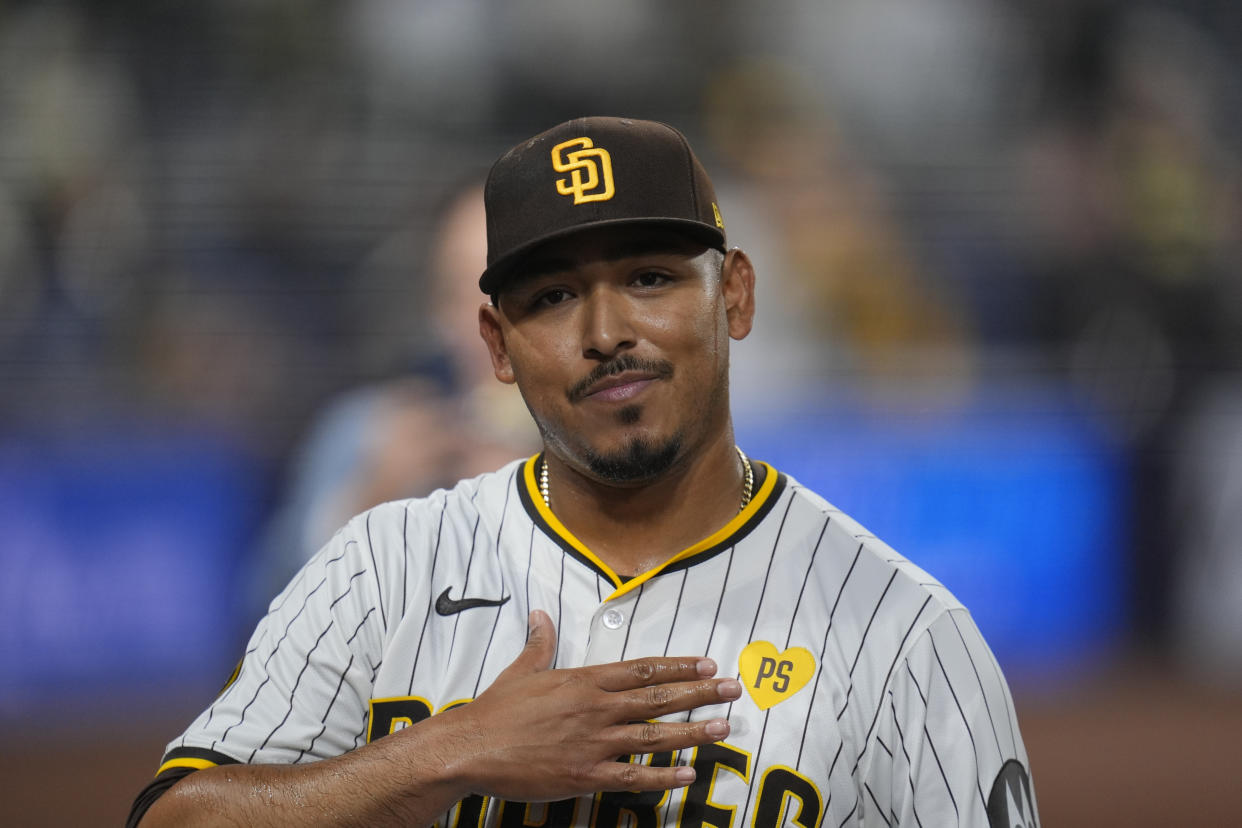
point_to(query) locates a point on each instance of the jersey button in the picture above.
(613, 619)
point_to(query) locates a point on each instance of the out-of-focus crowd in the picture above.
(261, 219)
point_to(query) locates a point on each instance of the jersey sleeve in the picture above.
(301, 690)
(946, 749)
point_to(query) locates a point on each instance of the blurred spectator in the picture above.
(73, 230)
(861, 302)
(1207, 509)
(446, 420)
(1138, 228)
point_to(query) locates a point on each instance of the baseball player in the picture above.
(639, 625)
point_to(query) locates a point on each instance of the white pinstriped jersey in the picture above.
(871, 697)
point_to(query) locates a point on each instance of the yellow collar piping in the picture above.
(737, 528)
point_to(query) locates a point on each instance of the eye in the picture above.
(552, 296)
(651, 278)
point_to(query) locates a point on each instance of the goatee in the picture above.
(640, 461)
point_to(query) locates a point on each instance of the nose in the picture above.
(607, 326)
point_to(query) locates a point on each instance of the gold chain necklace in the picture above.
(748, 484)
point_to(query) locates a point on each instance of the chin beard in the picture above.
(640, 461)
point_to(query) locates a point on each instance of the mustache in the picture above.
(663, 369)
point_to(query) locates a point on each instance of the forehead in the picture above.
(603, 244)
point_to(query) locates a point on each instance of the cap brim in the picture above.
(498, 271)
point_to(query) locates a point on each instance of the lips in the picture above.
(620, 380)
(620, 387)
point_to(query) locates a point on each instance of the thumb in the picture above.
(540, 646)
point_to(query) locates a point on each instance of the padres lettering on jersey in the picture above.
(870, 695)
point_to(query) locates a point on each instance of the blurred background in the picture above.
(1000, 303)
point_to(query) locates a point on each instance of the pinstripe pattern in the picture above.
(901, 717)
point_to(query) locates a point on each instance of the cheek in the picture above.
(708, 327)
(535, 361)
(697, 341)
(693, 325)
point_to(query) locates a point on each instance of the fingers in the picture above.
(663, 699)
(612, 708)
(540, 631)
(540, 646)
(647, 688)
(641, 672)
(540, 642)
(654, 737)
(540, 649)
(657, 737)
(624, 776)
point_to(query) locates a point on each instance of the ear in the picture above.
(492, 331)
(737, 278)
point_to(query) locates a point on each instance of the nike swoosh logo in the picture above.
(447, 606)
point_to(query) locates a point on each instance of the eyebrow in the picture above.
(625, 249)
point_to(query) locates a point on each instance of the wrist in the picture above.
(449, 752)
(432, 759)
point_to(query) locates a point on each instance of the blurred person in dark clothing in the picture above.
(443, 420)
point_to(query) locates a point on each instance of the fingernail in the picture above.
(684, 776)
(729, 689)
(717, 728)
(706, 667)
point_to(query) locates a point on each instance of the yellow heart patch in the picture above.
(771, 677)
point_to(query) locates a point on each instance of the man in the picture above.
(750, 654)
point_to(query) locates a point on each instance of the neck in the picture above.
(637, 528)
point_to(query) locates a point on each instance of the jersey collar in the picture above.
(739, 527)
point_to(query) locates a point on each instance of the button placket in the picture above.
(609, 630)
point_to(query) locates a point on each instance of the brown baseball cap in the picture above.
(593, 172)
